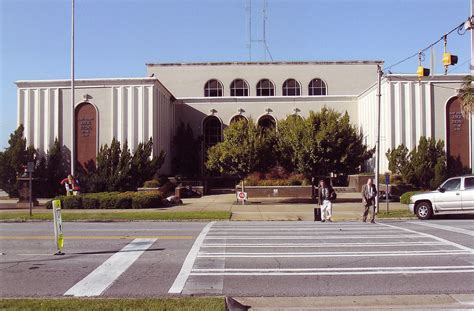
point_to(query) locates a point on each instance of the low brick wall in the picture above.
(284, 191)
(277, 191)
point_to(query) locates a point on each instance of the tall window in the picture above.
(291, 87)
(265, 87)
(213, 88)
(266, 122)
(238, 118)
(239, 87)
(212, 131)
(317, 87)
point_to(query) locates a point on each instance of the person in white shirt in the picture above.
(325, 195)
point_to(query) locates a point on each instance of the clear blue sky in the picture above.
(115, 38)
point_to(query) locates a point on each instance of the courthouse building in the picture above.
(209, 96)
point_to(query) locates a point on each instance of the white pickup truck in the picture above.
(454, 196)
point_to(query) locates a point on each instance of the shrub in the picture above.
(405, 198)
(72, 202)
(151, 184)
(147, 200)
(90, 202)
(111, 200)
(280, 178)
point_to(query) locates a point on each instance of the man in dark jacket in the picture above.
(325, 196)
(369, 193)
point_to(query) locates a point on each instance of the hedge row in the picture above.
(111, 200)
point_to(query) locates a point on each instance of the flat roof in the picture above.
(66, 83)
(338, 62)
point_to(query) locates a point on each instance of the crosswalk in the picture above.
(233, 250)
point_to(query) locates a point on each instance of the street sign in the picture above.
(30, 167)
(242, 196)
(387, 192)
(58, 226)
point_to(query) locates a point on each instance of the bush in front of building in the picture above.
(425, 167)
(322, 144)
(13, 161)
(276, 176)
(245, 149)
(117, 169)
(111, 200)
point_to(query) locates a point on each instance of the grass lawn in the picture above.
(115, 215)
(399, 213)
(202, 303)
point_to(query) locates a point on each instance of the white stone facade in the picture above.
(134, 109)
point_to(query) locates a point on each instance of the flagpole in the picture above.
(73, 143)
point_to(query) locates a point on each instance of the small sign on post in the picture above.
(242, 196)
(58, 227)
(30, 168)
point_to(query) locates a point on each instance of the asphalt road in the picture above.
(150, 259)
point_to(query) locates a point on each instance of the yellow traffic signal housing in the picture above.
(422, 72)
(449, 59)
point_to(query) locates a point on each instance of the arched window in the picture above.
(266, 122)
(291, 87)
(212, 130)
(213, 88)
(265, 87)
(317, 87)
(238, 118)
(239, 87)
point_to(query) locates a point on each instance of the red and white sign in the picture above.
(241, 196)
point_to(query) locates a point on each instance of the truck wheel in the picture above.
(423, 210)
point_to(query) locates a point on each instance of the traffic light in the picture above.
(422, 72)
(449, 59)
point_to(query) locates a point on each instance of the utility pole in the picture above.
(377, 144)
(73, 127)
(472, 73)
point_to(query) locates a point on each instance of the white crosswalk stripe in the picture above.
(246, 249)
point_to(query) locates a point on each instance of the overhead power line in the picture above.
(460, 30)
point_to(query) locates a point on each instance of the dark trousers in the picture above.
(370, 206)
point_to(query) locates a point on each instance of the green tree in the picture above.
(294, 143)
(424, 167)
(398, 160)
(13, 161)
(245, 149)
(144, 167)
(186, 150)
(428, 154)
(466, 93)
(117, 169)
(50, 170)
(323, 143)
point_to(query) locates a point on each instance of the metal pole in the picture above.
(31, 193)
(377, 146)
(472, 73)
(73, 147)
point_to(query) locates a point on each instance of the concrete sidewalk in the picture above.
(279, 208)
(398, 302)
(346, 207)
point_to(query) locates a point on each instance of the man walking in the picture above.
(369, 192)
(325, 195)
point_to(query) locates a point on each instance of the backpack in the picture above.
(333, 195)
